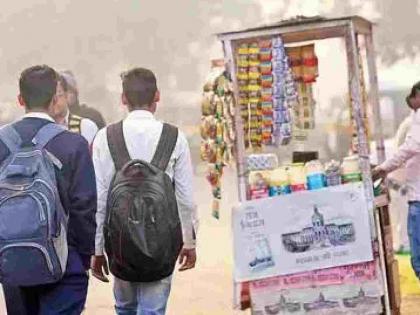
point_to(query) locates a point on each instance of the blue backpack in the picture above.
(33, 223)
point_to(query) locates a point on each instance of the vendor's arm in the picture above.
(407, 150)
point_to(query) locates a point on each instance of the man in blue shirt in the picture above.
(77, 189)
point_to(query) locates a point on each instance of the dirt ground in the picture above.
(410, 287)
(411, 305)
(208, 289)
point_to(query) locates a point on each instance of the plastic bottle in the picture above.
(258, 186)
(315, 175)
(333, 173)
(297, 177)
(279, 182)
(351, 170)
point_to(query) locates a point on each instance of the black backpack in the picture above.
(143, 236)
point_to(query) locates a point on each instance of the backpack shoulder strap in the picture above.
(117, 145)
(46, 134)
(75, 123)
(165, 147)
(10, 137)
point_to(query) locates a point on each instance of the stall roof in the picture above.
(303, 28)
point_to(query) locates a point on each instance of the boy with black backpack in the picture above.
(47, 205)
(145, 203)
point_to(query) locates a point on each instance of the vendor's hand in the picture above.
(99, 266)
(378, 173)
(187, 259)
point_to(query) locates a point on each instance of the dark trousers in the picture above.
(413, 229)
(14, 300)
(66, 297)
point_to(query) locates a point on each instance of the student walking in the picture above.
(145, 201)
(75, 107)
(62, 115)
(47, 213)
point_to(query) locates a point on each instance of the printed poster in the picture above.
(353, 299)
(352, 274)
(301, 232)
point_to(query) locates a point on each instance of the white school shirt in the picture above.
(88, 128)
(409, 154)
(40, 115)
(142, 133)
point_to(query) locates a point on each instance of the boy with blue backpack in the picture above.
(47, 205)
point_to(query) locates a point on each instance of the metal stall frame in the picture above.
(318, 28)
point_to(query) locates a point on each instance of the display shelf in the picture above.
(351, 29)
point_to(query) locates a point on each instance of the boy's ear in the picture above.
(21, 101)
(157, 97)
(124, 100)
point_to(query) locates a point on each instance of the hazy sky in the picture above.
(98, 39)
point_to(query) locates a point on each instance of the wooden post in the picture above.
(240, 155)
(383, 214)
(239, 131)
(374, 98)
(356, 105)
(363, 145)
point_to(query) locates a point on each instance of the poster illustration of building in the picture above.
(301, 232)
(319, 234)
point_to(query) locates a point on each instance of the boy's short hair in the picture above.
(38, 85)
(70, 80)
(63, 82)
(139, 87)
(414, 90)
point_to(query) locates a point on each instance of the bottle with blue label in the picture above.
(315, 175)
